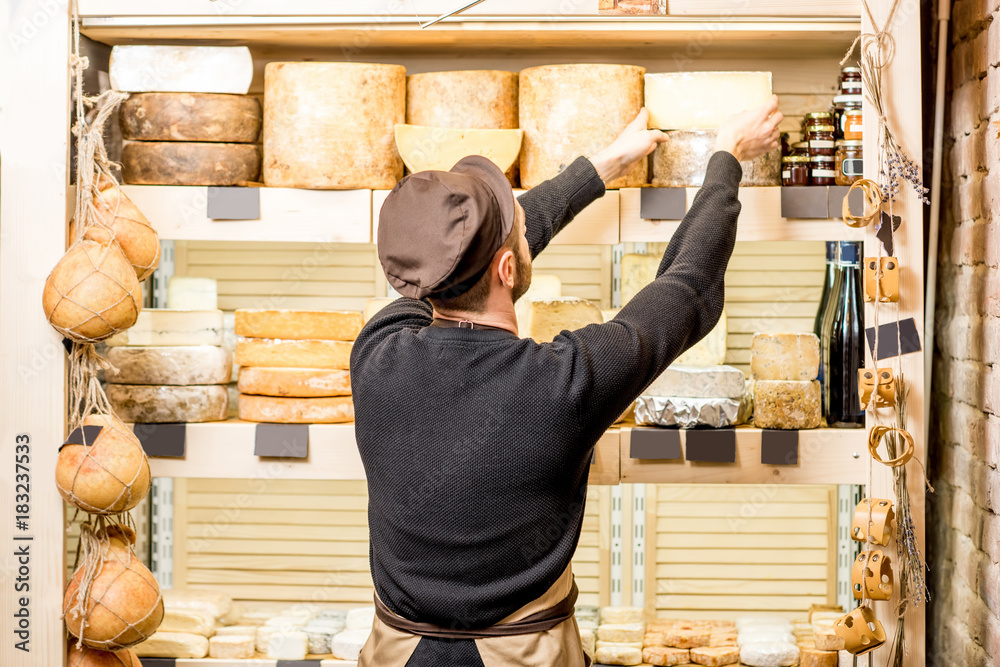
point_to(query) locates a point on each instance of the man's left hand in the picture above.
(633, 144)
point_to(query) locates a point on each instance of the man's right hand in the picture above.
(752, 133)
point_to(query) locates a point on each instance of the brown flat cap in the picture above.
(438, 230)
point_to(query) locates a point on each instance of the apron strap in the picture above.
(542, 621)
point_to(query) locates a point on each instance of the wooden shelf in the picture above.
(760, 220)
(826, 456)
(250, 662)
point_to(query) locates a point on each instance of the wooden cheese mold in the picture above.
(880, 530)
(871, 576)
(882, 278)
(861, 631)
(880, 382)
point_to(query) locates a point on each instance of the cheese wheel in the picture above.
(299, 324)
(192, 293)
(811, 657)
(616, 654)
(276, 410)
(688, 638)
(699, 382)
(288, 645)
(347, 645)
(271, 352)
(181, 163)
(571, 110)
(198, 364)
(330, 125)
(185, 69)
(662, 655)
(172, 645)
(425, 148)
(702, 100)
(294, 382)
(715, 657)
(619, 615)
(162, 326)
(191, 117)
(683, 160)
(474, 99)
(621, 633)
(156, 404)
(193, 621)
(231, 647)
(547, 318)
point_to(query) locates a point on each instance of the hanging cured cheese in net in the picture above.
(115, 216)
(87, 657)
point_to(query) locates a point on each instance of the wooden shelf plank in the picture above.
(286, 214)
(760, 220)
(255, 662)
(826, 456)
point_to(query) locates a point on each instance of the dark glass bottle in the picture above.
(846, 337)
(821, 315)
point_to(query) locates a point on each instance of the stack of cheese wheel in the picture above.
(786, 392)
(294, 365)
(571, 110)
(467, 100)
(170, 367)
(186, 126)
(680, 642)
(330, 125)
(619, 636)
(196, 624)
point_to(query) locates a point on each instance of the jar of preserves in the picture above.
(800, 148)
(822, 170)
(821, 140)
(849, 162)
(841, 105)
(850, 80)
(795, 170)
(817, 118)
(853, 125)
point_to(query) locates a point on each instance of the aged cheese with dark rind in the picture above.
(682, 161)
(155, 404)
(190, 364)
(474, 99)
(275, 353)
(296, 410)
(330, 125)
(299, 324)
(571, 110)
(786, 404)
(294, 382)
(234, 119)
(189, 163)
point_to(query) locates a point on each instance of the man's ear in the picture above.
(506, 268)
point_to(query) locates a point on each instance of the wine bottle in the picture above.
(824, 298)
(846, 341)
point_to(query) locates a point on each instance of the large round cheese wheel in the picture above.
(191, 117)
(330, 125)
(182, 365)
(299, 324)
(275, 353)
(182, 163)
(295, 382)
(571, 110)
(682, 161)
(464, 100)
(296, 410)
(157, 404)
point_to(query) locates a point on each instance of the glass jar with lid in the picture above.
(841, 105)
(800, 148)
(821, 140)
(850, 162)
(850, 80)
(822, 170)
(795, 170)
(817, 118)
(853, 125)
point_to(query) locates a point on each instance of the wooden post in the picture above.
(34, 133)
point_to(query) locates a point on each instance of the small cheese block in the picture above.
(182, 69)
(784, 356)
(588, 638)
(612, 654)
(715, 657)
(547, 318)
(699, 382)
(347, 645)
(294, 382)
(188, 163)
(172, 645)
(710, 350)
(694, 638)
(236, 630)
(277, 353)
(168, 327)
(191, 621)
(621, 633)
(810, 657)
(194, 364)
(723, 639)
(275, 410)
(288, 645)
(190, 117)
(653, 638)
(485, 99)
(827, 639)
(299, 324)
(219, 605)
(769, 654)
(361, 618)
(373, 306)
(229, 647)
(663, 655)
(621, 615)
(702, 100)
(682, 162)
(543, 286)
(437, 148)
(156, 404)
(786, 405)
(192, 293)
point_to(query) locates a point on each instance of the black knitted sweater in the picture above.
(477, 443)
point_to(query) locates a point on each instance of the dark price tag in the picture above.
(233, 203)
(662, 203)
(83, 435)
(166, 440)
(805, 202)
(159, 662)
(655, 443)
(779, 448)
(286, 441)
(908, 337)
(711, 445)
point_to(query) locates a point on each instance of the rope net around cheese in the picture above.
(117, 218)
(88, 657)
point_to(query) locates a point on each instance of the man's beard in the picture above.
(522, 280)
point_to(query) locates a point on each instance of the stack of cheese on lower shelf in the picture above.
(294, 365)
(587, 619)
(819, 644)
(786, 392)
(767, 642)
(292, 634)
(681, 642)
(619, 636)
(170, 367)
(192, 622)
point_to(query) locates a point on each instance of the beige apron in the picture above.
(558, 647)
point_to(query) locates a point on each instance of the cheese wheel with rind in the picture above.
(660, 656)
(715, 657)
(299, 324)
(769, 654)
(294, 382)
(682, 162)
(183, 69)
(811, 657)
(620, 633)
(165, 327)
(784, 356)
(172, 645)
(187, 365)
(234, 119)
(231, 647)
(479, 99)
(619, 615)
(439, 149)
(618, 655)
(270, 409)
(188, 163)
(155, 404)
(192, 621)
(347, 645)
(781, 404)
(277, 353)
(547, 318)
